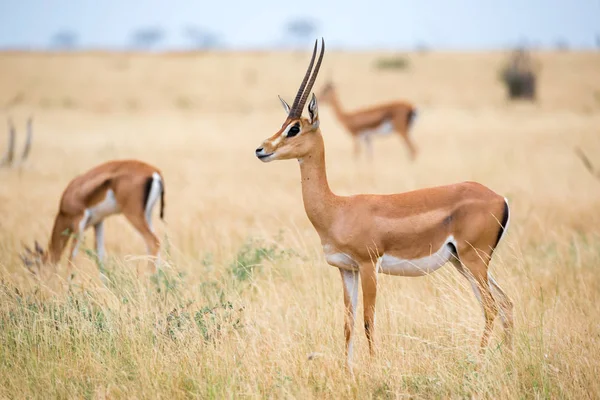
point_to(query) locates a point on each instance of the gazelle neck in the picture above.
(58, 240)
(337, 107)
(317, 196)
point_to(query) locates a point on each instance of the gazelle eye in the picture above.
(294, 130)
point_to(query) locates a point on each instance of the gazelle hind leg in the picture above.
(506, 310)
(402, 128)
(152, 243)
(474, 268)
(412, 149)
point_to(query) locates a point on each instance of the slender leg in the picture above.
(356, 142)
(350, 284)
(473, 267)
(409, 143)
(99, 232)
(369, 147)
(506, 309)
(368, 278)
(77, 236)
(152, 243)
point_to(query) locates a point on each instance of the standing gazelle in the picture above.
(128, 187)
(407, 234)
(381, 119)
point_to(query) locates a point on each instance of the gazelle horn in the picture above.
(313, 78)
(298, 105)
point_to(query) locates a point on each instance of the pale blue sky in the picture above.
(255, 24)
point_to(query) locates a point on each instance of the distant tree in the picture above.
(64, 40)
(300, 31)
(201, 38)
(147, 38)
(561, 45)
(519, 75)
(422, 47)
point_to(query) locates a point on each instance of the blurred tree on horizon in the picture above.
(301, 31)
(64, 40)
(147, 38)
(201, 39)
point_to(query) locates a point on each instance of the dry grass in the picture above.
(247, 296)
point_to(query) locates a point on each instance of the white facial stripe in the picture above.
(276, 141)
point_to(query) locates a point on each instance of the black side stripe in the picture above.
(147, 188)
(502, 224)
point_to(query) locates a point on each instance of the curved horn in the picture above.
(294, 112)
(312, 78)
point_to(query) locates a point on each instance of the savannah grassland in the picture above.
(246, 306)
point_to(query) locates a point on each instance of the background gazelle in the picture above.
(8, 159)
(128, 187)
(407, 234)
(380, 119)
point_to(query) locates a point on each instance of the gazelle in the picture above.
(406, 234)
(127, 187)
(9, 156)
(381, 119)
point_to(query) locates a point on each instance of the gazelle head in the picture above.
(297, 136)
(327, 92)
(34, 259)
(9, 156)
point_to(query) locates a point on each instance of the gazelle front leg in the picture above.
(350, 284)
(99, 233)
(368, 279)
(77, 237)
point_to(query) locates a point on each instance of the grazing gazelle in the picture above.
(128, 187)
(406, 234)
(381, 119)
(9, 156)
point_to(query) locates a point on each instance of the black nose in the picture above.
(259, 150)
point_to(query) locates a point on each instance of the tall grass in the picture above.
(245, 306)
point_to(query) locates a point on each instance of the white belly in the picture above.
(385, 128)
(106, 207)
(339, 259)
(417, 267)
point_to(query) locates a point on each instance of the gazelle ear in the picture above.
(285, 105)
(313, 112)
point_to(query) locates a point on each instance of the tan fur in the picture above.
(408, 225)
(127, 179)
(357, 122)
